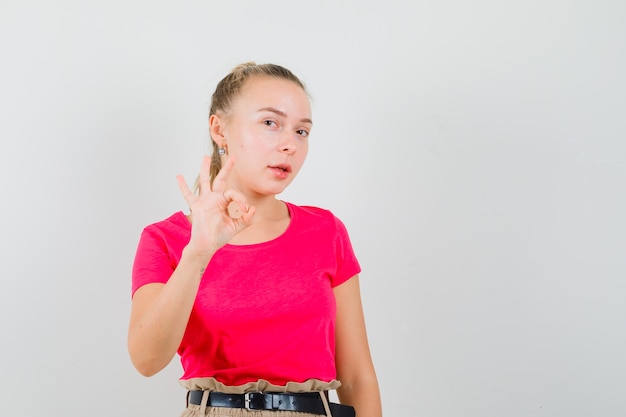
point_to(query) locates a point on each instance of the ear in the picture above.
(216, 129)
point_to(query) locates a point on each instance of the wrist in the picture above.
(195, 257)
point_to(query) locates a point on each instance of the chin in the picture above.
(272, 190)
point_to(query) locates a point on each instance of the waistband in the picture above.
(261, 385)
(305, 402)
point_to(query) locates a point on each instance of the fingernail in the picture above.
(233, 210)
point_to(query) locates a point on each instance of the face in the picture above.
(266, 131)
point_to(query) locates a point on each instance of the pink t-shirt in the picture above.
(263, 311)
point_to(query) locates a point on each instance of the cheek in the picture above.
(304, 149)
(302, 152)
(258, 140)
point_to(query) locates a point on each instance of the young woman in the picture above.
(259, 297)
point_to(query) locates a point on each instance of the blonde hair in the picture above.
(229, 88)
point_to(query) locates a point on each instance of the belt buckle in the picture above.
(254, 401)
(246, 401)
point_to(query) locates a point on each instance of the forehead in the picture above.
(285, 95)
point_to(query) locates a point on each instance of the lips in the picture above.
(280, 171)
(282, 167)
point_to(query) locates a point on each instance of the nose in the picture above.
(288, 143)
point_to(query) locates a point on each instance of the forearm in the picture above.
(363, 395)
(158, 328)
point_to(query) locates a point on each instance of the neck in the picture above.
(267, 208)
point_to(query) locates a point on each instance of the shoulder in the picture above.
(311, 213)
(176, 220)
(318, 217)
(174, 225)
(308, 210)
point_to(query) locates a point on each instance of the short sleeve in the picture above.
(152, 260)
(346, 260)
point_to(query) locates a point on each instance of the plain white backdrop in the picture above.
(476, 151)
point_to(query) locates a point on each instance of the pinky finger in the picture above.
(184, 189)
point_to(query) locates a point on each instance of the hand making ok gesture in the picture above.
(211, 225)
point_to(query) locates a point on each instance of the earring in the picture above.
(221, 151)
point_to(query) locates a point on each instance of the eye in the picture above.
(302, 132)
(269, 123)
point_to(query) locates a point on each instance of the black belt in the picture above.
(308, 402)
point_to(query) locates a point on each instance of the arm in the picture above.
(159, 315)
(355, 370)
(160, 312)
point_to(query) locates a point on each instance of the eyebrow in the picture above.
(282, 113)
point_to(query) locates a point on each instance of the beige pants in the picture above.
(211, 385)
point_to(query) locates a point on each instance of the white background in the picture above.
(476, 151)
